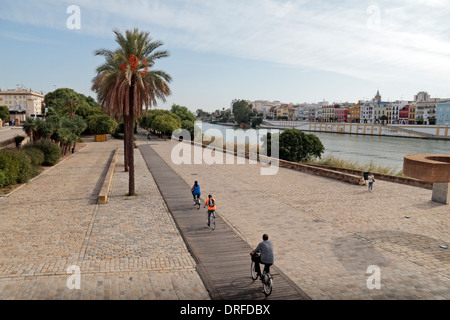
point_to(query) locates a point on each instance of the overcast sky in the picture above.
(220, 50)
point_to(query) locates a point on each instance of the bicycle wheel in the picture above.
(213, 221)
(267, 284)
(253, 271)
(198, 204)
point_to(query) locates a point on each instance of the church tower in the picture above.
(377, 97)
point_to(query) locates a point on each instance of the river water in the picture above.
(381, 150)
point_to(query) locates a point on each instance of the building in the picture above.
(341, 114)
(412, 113)
(367, 111)
(422, 97)
(403, 115)
(395, 107)
(20, 100)
(443, 114)
(354, 113)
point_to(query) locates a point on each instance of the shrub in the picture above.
(36, 156)
(101, 124)
(9, 167)
(52, 153)
(3, 179)
(25, 168)
(15, 167)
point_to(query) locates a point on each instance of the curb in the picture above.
(103, 195)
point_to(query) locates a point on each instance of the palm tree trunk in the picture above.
(130, 140)
(125, 143)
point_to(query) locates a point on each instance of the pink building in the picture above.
(341, 114)
(403, 115)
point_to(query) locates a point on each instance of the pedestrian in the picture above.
(371, 181)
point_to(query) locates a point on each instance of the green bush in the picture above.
(15, 167)
(25, 168)
(52, 153)
(101, 124)
(3, 179)
(36, 156)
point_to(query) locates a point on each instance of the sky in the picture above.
(220, 50)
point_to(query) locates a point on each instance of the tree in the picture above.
(183, 113)
(4, 112)
(166, 124)
(126, 82)
(101, 124)
(295, 145)
(241, 111)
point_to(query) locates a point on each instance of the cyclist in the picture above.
(266, 257)
(196, 193)
(211, 203)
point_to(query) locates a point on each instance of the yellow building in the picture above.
(22, 99)
(354, 113)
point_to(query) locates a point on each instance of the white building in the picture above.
(367, 114)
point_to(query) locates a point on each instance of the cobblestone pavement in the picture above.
(328, 233)
(127, 249)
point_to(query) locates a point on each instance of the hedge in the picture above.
(15, 167)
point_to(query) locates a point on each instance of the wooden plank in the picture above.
(222, 255)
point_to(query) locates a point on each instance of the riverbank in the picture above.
(403, 131)
(379, 151)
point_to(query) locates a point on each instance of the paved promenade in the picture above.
(328, 233)
(127, 249)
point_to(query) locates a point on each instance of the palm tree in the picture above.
(126, 82)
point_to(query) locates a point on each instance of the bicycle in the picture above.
(266, 278)
(212, 220)
(197, 202)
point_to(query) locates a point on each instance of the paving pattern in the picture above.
(328, 233)
(127, 249)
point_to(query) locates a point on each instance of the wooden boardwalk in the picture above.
(222, 256)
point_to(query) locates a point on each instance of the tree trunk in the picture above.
(125, 143)
(130, 141)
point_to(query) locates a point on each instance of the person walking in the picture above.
(371, 180)
(211, 203)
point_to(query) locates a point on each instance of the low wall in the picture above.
(103, 195)
(11, 143)
(386, 177)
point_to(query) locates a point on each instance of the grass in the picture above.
(354, 165)
(236, 146)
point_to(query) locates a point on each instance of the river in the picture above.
(381, 150)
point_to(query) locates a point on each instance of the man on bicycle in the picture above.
(266, 257)
(196, 193)
(211, 203)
